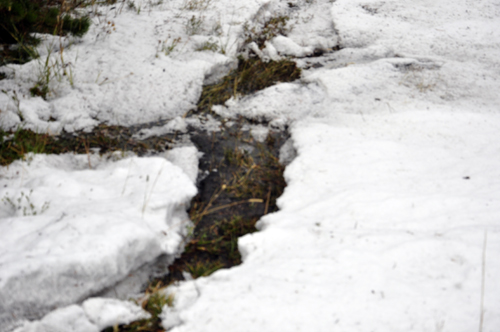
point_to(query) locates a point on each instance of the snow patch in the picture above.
(100, 224)
(110, 312)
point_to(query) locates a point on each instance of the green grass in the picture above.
(203, 268)
(19, 19)
(15, 145)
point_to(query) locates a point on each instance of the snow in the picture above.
(381, 228)
(71, 318)
(120, 71)
(93, 316)
(389, 221)
(177, 124)
(74, 225)
(186, 158)
(109, 312)
(394, 190)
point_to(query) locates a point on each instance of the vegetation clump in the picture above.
(20, 18)
(250, 76)
(16, 144)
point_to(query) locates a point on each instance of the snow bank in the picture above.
(381, 228)
(94, 315)
(391, 210)
(73, 225)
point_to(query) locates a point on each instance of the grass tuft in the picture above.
(203, 268)
(16, 144)
(251, 75)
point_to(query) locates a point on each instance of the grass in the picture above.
(248, 180)
(196, 5)
(250, 76)
(153, 303)
(230, 201)
(168, 46)
(245, 187)
(272, 27)
(208, 46)
(47, 72)
(20, 19)
(17, 144)
(16, 101)
(24, 52)
(252, 179)
(194, 25)
(202, 268)
(23, 203)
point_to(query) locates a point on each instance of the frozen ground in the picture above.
(390, 218)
